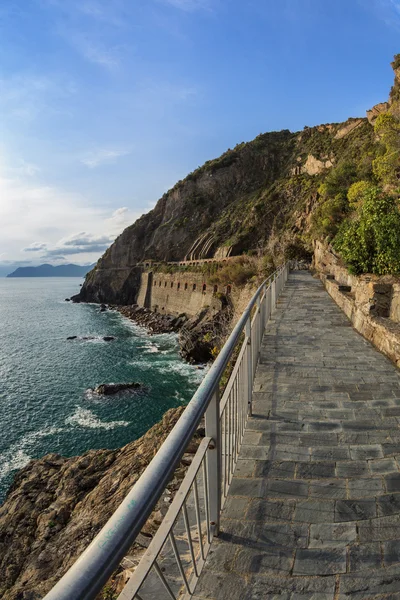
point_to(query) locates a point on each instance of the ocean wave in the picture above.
(181, 368)
(83, 417)
(150, 349)
(17, 456)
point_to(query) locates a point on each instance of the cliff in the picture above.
(57, 505)
(258, 195)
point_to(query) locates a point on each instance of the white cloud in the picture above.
(31, 211)
(35, 247)
(98, 157)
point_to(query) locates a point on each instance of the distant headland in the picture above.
(51, 271)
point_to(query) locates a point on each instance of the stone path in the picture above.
(314, 508)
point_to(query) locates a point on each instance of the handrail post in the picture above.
(249, 366)
(213, 430)
(273, 295)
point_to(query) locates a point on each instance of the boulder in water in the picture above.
(107, 389)
(67, 299)
(72, 337)
(108, 338)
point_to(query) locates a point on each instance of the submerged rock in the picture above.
(107, 389)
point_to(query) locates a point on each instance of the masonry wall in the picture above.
(371, 303)
(178, 293)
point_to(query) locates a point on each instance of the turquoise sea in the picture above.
(45, 400)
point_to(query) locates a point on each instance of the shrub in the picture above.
(370, 243)
(386, 167)
(356, 193)
(327, 217)
(237, 271)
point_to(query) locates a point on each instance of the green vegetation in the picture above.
(369, 242)
(386, 165)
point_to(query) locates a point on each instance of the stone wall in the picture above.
(178, 292)
(189, 293)
(371, 303)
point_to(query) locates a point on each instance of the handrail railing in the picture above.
(213, 464)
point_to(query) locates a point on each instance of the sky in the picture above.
(105, 104)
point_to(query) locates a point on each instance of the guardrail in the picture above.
(176, 555)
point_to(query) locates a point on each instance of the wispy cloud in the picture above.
(93, 49)
(101, 156)
(190, 5)
(78, 243)
(26, 96)
(386, 10)
(35, 247)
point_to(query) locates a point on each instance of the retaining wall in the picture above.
(371, 303)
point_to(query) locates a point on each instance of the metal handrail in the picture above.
(98, 562)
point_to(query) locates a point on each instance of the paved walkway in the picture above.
(314, 507)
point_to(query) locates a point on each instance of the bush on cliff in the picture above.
(238, 271)
(369, 241)
(386, 166)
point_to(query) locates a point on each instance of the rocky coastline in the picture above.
(57, 505)
(199, 337)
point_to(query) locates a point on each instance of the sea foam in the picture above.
(17, 456)
(83, 417)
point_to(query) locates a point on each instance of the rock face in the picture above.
(57, 505)
(377, 110)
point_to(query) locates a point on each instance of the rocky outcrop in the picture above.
(348, 128)
(377, 110)
(57, 505)
(109, 389)
(154, 322)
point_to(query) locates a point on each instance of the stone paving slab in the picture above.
(313, 511)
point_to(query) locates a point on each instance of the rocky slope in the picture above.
(57, 505)
(258, 195)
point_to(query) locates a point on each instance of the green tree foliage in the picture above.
(386, 166)
(356, 193)
(369, 242)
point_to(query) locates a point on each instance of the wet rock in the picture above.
(108, 338)
(72, 337)
(67, 299)
(107, 389)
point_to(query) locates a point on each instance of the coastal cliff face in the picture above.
(252, 195)
(260, 195)
(57, 505)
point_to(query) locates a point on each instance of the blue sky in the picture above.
(105, 104)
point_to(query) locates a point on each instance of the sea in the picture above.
(46, 381)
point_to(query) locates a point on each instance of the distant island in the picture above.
(51, 271)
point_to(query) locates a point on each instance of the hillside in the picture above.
(266, 194)
(51, 271)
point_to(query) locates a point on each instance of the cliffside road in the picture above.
(314, 507)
